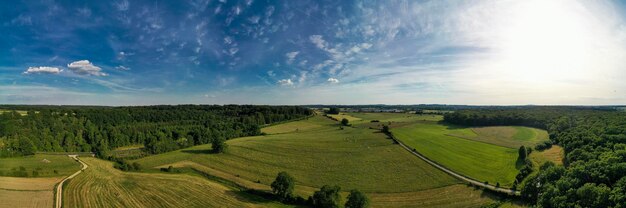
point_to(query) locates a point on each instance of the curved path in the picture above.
(59, 193)
(457, 175)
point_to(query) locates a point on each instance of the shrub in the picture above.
(327, 197)
(283, 185)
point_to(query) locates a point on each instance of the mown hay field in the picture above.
(103, 186)
(27, 192)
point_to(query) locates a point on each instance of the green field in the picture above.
(44, 165)
(302, 125)
(482, 161)
(507, 136)
(352, 158)
(341, 116)
(103, 186)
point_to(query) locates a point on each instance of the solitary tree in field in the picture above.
(219, 145)
(345, 122)
(357, 199)
(522, 153)
(283, 186)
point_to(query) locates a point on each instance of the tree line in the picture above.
(594, 141)
(158, 128)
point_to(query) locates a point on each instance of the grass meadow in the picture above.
(482, 161)
(39, 165)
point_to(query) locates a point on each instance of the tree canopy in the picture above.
(159, 128)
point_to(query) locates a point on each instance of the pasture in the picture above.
(103, 186)
(38, 165)
(478, 160)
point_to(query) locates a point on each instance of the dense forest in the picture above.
(594, 140)
(158, 128)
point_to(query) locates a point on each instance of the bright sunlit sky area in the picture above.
(505, 52)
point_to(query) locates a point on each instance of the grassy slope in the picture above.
(482, 161)
(103, 186)
(355, 157)
(62, 163)
(352, 158)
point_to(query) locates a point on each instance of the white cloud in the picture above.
(332, 80)
(42, 70)
(319, 41)
(122, 5)
(84, 67)
(291, 56)
(285, 82)
(123, 68)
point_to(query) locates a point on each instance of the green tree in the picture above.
(345, 122)
(26, 147)
(219, 146)
(357, 199)
(283, 186)
(327, 197)
(522, 153)
(385, 129)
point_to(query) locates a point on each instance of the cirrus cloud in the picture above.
(84, 67)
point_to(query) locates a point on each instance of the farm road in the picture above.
(59, 191)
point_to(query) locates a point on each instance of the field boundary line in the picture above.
(453, 173)
(59, 188)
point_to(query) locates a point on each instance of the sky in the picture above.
(478, 52)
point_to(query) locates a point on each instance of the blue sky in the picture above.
(312, 52)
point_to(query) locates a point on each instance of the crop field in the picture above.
(103, 186)
(39, 165)
(482, 161)
(341, 116)
(27, 192)
(507, 136)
